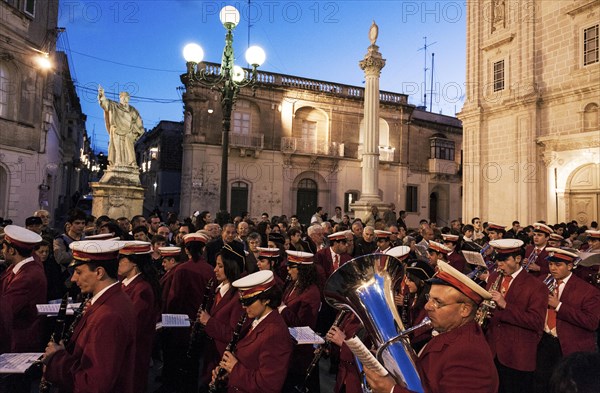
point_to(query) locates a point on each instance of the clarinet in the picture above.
(405, 308)
(485, 311)
(59, 329)
(59, 333)
(323, 347)
(219, 384)
(198, 333)
(550, 282)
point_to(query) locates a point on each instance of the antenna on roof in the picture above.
(424, 48)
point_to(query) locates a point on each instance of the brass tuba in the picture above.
(365, 286)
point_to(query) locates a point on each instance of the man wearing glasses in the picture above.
(458, 358)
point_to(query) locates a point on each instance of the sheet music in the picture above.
(175, 320)
(305, 335)
(474, 258)
(52, 309)
(365, 356)
(17, 363)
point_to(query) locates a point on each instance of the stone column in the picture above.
(371, 65)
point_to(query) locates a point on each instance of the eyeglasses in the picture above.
(436, 304)
(248, 301)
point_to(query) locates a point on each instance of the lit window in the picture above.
(4, 86)
(499, 75)
(590, 45)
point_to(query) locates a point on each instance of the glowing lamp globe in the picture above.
(255, 56)
(229, 16)
(193, 53)
(238, 73)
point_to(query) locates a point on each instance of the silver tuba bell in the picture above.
(365, 286)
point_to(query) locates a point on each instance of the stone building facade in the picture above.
(531, 120)
(296, 144)
(159, 155)
(42, 130)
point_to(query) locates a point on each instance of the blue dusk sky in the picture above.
(136, 46)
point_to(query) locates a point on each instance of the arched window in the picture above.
(239, 198)
(590, 117)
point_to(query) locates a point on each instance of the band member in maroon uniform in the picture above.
(417, 274)
(455, 258)
(221, 318)
(269, 259)
(300, 305)
(186, 291)
(262, 357)
(573, 316)
(535, 254)
(517, 324)
(458, 358)
(348, 379)
(140, 282)
(437, 252)
(383, 241)
(100, 356)
(22, 286)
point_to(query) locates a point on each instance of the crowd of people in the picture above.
(522, 320)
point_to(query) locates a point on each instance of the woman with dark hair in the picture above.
(140, 282)
(221, 318)
(414, 299)
(301, 301)
(264, 229)
(269, 259)
(262, 356)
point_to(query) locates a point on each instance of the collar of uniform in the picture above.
(256, 322)
(515, 274)
(333, 254)
(97, 296)
(127, 281)
(19, 265)
(223, 288)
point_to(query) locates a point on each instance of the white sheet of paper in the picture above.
(365, 356)
(175, 320)
(17, 363)
(474, 258)
(52, 309)
(305, 335)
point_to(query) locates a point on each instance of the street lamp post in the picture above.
(228, 81)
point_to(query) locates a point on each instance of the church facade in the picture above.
(531, 121)
(296, 144)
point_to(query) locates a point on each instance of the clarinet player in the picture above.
(262, 357)
(517, 323)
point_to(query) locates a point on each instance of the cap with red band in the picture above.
(450, 238)
(21, 237)
(195, 237)
(85, 251)
(135, 247)
(447, 275)
(438, 247)
(338, 236)
(255, 283)
(496, 227)
(560, 255)
(169, 251)
(543, 228)
(299, 257)
(264, 252)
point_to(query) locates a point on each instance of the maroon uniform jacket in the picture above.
(188, 284)
(224, 316)
(146, 314)
(20, 293)
(457, 261)
(578, 316)
(348, 371)
(458, 361)
(324, 259)
(514, 333)
(263, 357)
(541, 261)
(166, 281)
(101, 354)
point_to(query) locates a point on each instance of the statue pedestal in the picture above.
(117, 200)
(362, 207)
(122, 176)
